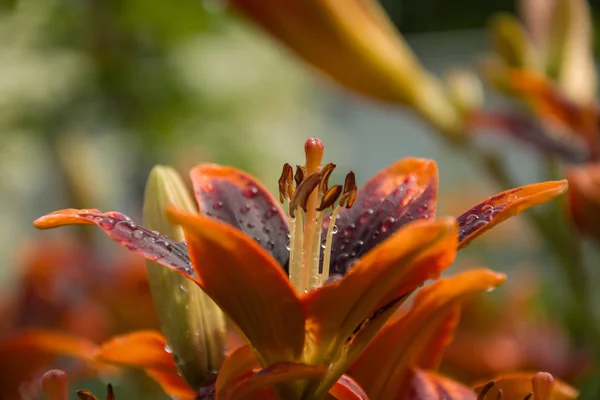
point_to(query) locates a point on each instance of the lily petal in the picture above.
(279, 372)
(502, 206)
(425, 385)
(142, 349)
(518, 385)
(240, 364)
(347, 389)
(238, 199)
(337, 311)
(147, 350)
(247, 284)
(418, 338)
(402, 192)
(125, 232)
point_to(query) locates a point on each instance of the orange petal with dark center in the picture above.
(142, 349)
(518, 385)
(240, 200)
(424, 385)
(247, 284)
(502, 206)
(419, 337)
(125, 232)
(259, 385)
(335, 313)
(402, 192)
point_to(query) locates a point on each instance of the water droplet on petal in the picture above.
(512, 198)
(218, 205)
(183, 288)
(365, 216)
(387, 224)
(288, 245)
(250, 192)
(266, 230)
(168, 349)
(270, 245)
(249, 225)
(471, 218)
(487, 209)
(334, 230)
(245, 209)
(323, 243)
(107, 223)
(479, 224)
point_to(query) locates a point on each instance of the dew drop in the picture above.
(271, 212)
(107, 224)
(270, 245)
(471, 218)
(512, 198)
(349, 230)
(387, 224)
(245, 209)
(183, 288)
(323, 243)
(249, 225)
(365, 216)
(479, 224)
(487, 209)
(334, 230)
(250, 192)
(288, 245)
(218, 205)
(168, 349)
(266, 230)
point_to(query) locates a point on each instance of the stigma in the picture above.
(310, 198)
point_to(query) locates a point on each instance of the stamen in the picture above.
(286, 188)
(296, 249)
(484, 390)
(529, 396)
(303, 193)
(328, 241)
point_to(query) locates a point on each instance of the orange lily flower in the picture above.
(355, 44)
(548, 65)
(307, 290)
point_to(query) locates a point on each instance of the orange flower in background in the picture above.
(584, 199)
(511, 333)
(60, 281)
(546, 63)
(307, 289)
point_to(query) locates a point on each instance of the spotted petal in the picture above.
(238, 199)
(247, 284)
(502, 206)
(404, 191)
(125, 232)
(418, 338)
(519, 385)
(425, 385)
(336, 312)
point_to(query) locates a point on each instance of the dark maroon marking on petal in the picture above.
(407, 202)
(208, 392)
(150, 244)
(248, 207)
(569, 147)
(479, 216)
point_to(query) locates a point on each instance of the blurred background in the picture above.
(93, 93)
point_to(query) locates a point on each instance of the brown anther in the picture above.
(485, 389)
(303, 192)
(286, 186)
(529, 396)
(86, 395)
(330, 197)
(326, 172)
(350, 191)
(300, 174)
(110, 394)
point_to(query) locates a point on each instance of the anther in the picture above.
(326, 172)
(300, 174)
(529, 396)
(303, 192)
(330, 197)
(286, 187)
(485, 389)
